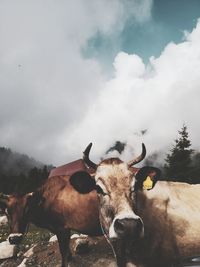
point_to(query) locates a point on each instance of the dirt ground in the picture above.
(97, 254)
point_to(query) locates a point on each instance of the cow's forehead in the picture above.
(114, 173)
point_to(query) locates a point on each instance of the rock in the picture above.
(7, 250)
(104, 262)
(112, 264)
(77, 236)
(3, 220)
(29, 252)
(81, 245)
(23, 263)
(53, 238)
(74, 236)
(82, 235)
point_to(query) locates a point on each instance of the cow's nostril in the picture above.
(119, 226)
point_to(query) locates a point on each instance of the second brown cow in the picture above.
(56, 206)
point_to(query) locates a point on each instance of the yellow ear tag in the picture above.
(148, 183)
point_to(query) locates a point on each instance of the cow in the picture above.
(56, 206)
(146, 228)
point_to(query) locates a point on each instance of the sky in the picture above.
(75, 72)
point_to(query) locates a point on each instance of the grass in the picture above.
(34, 235)
(4, 229)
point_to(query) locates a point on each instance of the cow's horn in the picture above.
(138, 159)
(86, 157)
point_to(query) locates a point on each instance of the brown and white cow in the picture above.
(56, 206)
(147, 228)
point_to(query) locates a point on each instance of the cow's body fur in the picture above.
(171, 216)
(62, 207)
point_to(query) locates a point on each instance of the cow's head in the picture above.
(16, 208)
(117, 183)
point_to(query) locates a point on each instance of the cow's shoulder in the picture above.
(53, 186)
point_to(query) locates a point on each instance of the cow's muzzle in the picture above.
(15, 239)
(128, 227)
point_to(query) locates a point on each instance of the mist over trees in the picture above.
(182, 163)
(20, 173)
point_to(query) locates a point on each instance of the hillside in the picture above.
(19, 173)
(14, 163)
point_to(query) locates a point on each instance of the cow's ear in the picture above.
(82, 182)
(144, 173)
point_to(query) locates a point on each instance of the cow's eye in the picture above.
(100, 190)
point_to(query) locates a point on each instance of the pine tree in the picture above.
(178, 162)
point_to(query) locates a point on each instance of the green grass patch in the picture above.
(34, 235)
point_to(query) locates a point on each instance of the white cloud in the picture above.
(54, 102)
(159, 97)
(46, 85)
(139, 10)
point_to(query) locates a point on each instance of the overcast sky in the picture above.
(77, 71)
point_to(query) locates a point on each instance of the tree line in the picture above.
(182, 164)
(20, 174)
